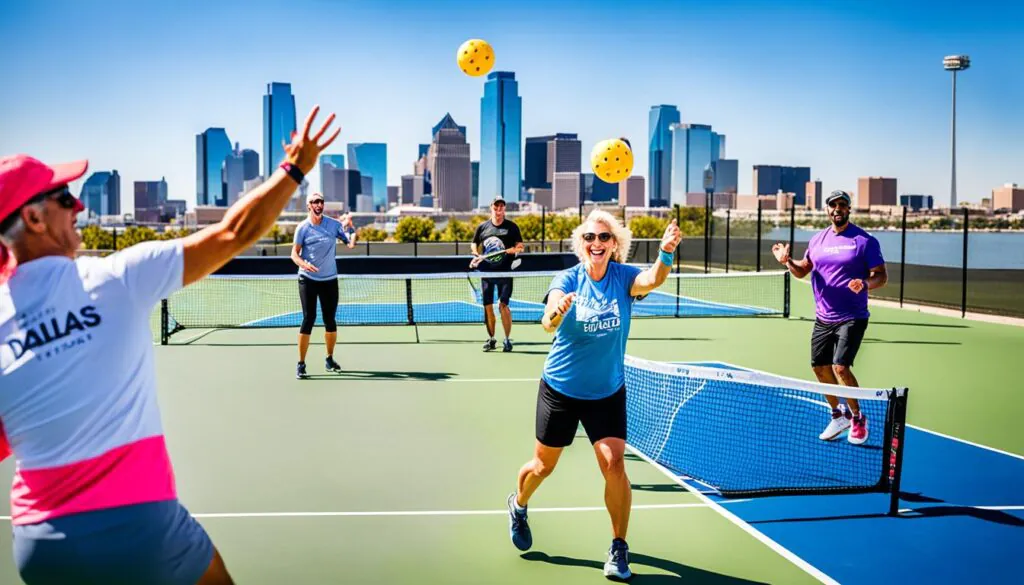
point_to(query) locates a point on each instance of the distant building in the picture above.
(659, 123)
(371, 160)
(101, 193)
(876, 191)
(568, 187)
(1008, 197)
(917, 202)
(278, 124)
(501, 123)
(451, 170)
(632, 192)
(770, 179)
(814, 197)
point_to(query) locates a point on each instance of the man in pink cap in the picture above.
(94, 498)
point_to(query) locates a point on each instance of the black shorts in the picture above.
(836, 343)
(558, 417)
(503, 286)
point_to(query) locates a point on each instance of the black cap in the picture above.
(839, 195)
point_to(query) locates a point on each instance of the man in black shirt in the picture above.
(511, 239)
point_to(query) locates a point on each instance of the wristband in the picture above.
(294, 172)
(666, 258)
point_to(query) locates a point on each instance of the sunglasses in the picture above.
(838, 203)
(62, 196)
(603, 236)
(317, 202)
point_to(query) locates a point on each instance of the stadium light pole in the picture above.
(954, 63)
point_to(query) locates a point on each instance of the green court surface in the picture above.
(397, 469)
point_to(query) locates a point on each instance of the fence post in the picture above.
(115, 239)
(679, 250)
(543, 228)
(416, 246)
(903, 254)
(581, 211)
(757, 252)
(728, 220)
(792, 227)
(963, 300)
(707, 231)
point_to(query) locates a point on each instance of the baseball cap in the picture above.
(498, 199)
(314, 197)
(838, 195)
(23, 177)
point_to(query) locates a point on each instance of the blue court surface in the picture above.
(961, 518)
(657, 304)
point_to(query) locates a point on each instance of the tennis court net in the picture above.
(238, 301)
(742, 433)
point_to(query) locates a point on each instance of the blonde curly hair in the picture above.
(622, 235)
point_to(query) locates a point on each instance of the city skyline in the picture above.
(820, 109)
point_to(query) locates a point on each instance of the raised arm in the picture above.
(799, 268)
(251, 216)
(655, 276)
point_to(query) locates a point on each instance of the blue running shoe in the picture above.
(616, 567)
(300, 370)
(331, 365)
(518, 527)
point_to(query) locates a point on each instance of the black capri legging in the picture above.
(309, 291)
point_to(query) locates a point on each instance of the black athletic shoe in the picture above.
(507, 346)
(300, 370)
(490, 345)
(332, 366)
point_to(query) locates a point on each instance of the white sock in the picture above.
(515, 503)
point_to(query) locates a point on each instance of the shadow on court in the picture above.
(901, 324)
(909, 342)
(681, 573)
(370, 376)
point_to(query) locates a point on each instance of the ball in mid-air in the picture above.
(612, 160)
(475, 57)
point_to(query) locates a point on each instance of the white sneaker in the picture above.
(840, 422)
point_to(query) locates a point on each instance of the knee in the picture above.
(614, 466)
(841, 371)
(542, 469)
(822, 371)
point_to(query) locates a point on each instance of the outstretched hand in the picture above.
(565, 303)
(781, 252)
(304, 151)
(672, 237)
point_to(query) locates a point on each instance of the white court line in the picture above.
(483, 380)
(994, 508)
(435, 512)
(966, 442)
(717, 506)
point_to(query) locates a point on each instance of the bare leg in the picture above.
(533, 473)
(618, 494)
(827, 376)
(489, 319)
(845, 376)
(303, 346)
(506, 319)
(331, 338)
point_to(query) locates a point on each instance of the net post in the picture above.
(963, 299)
(792, 226)
(896, 445)
(785, 294)
(411, 318)
(543, 228)
(416, 246)
(679, 257)
(164, 318)
(903, 254)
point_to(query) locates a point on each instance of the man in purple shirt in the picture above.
(844, 262)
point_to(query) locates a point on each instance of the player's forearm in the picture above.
(552, 319)
(877, 280)
(797, 269)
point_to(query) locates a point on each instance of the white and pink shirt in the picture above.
(78, 402)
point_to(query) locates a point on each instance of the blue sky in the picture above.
(848, 88)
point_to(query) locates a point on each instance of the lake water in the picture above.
(984, 249)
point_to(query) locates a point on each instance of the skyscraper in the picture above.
(101, 193)
(501, 121)
(475, 169)
(278, 124)
(565, 155)
(451, 169)
(212, 147)
(660, 120)
(727, 175)
(335, 161)
(694, 146)
(535, 164)
(371, 160)
(770, 179)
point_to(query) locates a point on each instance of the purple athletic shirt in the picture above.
(837, 259)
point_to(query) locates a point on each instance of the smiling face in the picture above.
(316, 207)
(598, 244)
(839, 212)
(49, 221)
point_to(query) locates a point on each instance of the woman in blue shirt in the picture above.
(313, 253)
(588, 310)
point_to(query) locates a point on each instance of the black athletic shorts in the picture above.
(558, 417)
(503, 286)
(836, 343)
